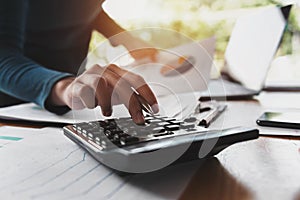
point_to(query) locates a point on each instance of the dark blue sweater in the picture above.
(42, 41)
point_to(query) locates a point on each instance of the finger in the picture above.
(116, 85)
(123, 89)
(76, 103)
(138, 83)
(104, 95)
(72, 98)
(132, 103)
(85, 93)
(102, 91)
(153, 55)
(144, 52)
(95, 69)
(135, 110)
(90, 79)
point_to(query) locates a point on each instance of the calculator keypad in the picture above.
(120, 132)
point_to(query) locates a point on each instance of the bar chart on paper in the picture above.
(44, 164)
(7, 138)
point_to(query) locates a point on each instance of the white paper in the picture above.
(178, 105)
(45, 164)
(32, 112)
(284, 72)
(193, 79)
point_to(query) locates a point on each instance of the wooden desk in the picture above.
(266, 168)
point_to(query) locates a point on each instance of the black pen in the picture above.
(212, 115)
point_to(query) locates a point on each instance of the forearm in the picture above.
(56, 96)
(22, 78)
(105, 25)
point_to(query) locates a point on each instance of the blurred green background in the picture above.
(196, 19)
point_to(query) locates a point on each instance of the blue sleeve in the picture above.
(19, 76)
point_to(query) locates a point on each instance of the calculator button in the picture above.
(191, 130)
(116, 137)
(97, 133)
(158, 130)
(154, 120)
(143, 132)
(187, 126)
(163, 134)
(108, 134)
(133, 133)
(176, 122)
(170, 119)
(126, 130)
(116, 131)
(125, 140)
(149, 117)
(103, 143)
(98, 142)
(95, 125)
(172, 127)
(123, 131)
(163, 124)
(191, 120)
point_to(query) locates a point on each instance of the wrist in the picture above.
(57, 92)
(122, 38)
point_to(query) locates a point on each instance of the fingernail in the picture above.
(155, 108)
(107, 113)
(139, 118)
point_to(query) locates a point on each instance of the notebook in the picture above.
(252, 46)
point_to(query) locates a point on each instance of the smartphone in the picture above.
(280, 119)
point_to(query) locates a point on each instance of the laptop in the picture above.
(252, 46)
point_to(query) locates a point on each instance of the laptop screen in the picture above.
(253, 44)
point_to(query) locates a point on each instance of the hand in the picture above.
(138, 48)
(104, 86)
